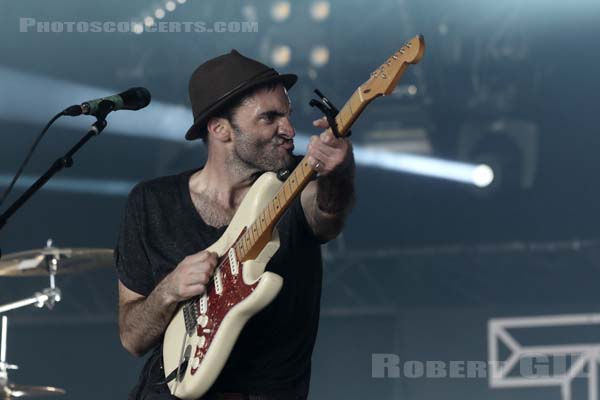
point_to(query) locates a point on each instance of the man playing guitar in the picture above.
(242, 113)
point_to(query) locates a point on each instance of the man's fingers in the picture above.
(198, 257)
(321, 157)
(202, 256)
(193, 290)
(313, 162)
(327, 137)
(321, 123)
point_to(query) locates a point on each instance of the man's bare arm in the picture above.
(143, 320)
(328, 201)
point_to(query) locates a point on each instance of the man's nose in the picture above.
(286, 127)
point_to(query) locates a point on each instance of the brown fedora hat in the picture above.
(221, 80)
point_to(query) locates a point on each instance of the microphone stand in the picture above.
(65, 161)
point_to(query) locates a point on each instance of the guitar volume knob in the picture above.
(202, 320)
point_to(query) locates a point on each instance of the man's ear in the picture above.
(219, 129)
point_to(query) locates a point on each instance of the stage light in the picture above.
(181, 1)
(249, 12)
(509, 146)
(478, 175)
(319, 10)
(159, 13)
(412, 90)
(170, 6)
(138, 28)
(281, 55)
(149, 21)
(319, 56)
(281, 11)
(483, 175)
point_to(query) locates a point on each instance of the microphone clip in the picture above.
(100, 111)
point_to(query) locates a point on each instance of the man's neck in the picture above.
(223, 181)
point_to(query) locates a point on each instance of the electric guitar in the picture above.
(199, 339)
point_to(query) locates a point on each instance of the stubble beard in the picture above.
(257, 156)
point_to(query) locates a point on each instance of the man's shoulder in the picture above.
(160, 186)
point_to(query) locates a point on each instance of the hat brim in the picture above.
(199, 128)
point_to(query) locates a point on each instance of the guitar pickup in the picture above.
(203, 304)
(218, 282)
(233, 264)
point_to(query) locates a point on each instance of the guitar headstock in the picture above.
(384, 79)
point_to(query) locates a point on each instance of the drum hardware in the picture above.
(9, 390)
(40, 262)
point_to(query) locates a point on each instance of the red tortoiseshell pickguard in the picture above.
(234, 291)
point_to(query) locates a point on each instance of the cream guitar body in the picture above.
(234, 295)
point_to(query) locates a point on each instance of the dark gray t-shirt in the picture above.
(161, 227)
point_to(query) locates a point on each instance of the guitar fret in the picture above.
(283, 194)
(271, 211)
(351, 104)
(294, 178)
(357, 99)
(263, 220)
(340, 120)
(305, 168)
(259, 230)
(254, 232)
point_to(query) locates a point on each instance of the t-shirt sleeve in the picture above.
(131, 260)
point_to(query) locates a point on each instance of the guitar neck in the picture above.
(258, 234)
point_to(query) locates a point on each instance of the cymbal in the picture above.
(16, 391)
(70, 260)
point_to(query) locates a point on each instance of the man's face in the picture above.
(263, 137)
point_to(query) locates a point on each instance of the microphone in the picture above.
(131, 99)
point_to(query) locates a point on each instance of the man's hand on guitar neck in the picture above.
(328, 201)
(143, 320)
(328, 154)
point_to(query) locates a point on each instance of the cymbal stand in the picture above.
(47, 297)
(4, 366)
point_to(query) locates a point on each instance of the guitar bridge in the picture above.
(190, 316)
